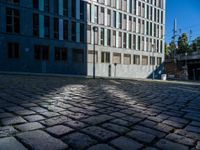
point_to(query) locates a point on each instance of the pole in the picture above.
(174, 41)
(153, 47)
(94, 53)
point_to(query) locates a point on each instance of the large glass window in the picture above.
(13, 50)
(12, 20)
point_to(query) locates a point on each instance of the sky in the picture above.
(187, 14)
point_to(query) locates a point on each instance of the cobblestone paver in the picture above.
(84, 114)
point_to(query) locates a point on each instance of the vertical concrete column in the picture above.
(41, 19)
(105, 37)
(77, 18)
(117, 20)
(117, 38)
(105, 17)
(60, 11)
(127, 40)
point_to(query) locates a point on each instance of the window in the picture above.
(139, 43)
(82, 31)
(159, 60)
(144, 60)
(60, 54)
(105, 57)
(108, 37)
(124, 41)
(101, 16)
(35, 4)
(82, 10)
(74, 31)
(116, 58)
(130, 41)
(120, 21)
(13, 50)
(120, 40)
(56, 28)
(46, 5)
(114, 39)
(90, 56)
(65, 8)
(96, 14)
(41, 52)
(36, 25)
(136, 59)
(65, 29)
(78, 56)
(88, 12)
(134, 42)
(73, 9)
(56, 7)
(109, 17)
(12, 20)
(89, 34)
(46, 27)
(152, 60)
(16, 2)
(114, 19)
(102, 36)
(127, 59)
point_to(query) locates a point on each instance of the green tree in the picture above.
(196, 44)
(183, 44)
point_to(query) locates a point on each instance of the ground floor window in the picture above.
(144, 60)
(116, 58)
(152, 60)
(41, 52)
(127, 59)
(90, 56)
(159, 61)
(60, 54)
(78, 55)
(13, 50)
(105, 57)
(136, 59)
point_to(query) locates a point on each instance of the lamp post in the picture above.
(153, 74)
(186, 66)
(95, 29)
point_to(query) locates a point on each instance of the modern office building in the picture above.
(58, 36)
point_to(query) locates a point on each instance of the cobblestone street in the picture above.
(53, 113)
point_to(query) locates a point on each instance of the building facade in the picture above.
(57, 36)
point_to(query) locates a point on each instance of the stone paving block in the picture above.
(101, 147)
(195, 123)
(29, 126)
(79, 140)
(6, 115)
(39, 140)
(49, 114)
(14, 108)
(141, 136)
(188, 134)
(75, 124)
(198, 145)
(24, 112)
(157, 133)
(150, 148)
(55, 108)
(163, 127)
(174, 123)
(74, 115)
(193, 129)
(38, 109)
(10, 143)
(94, 120)
(180, 139)
(133, 120)
(168, 145)
(7, 131)
(33, 118)
(121, 122)
(99, 133)
(12, 120)
(59, 130)
(124, 143)
(148, 123)
(118, 114)
(115, 128)
(55, 120)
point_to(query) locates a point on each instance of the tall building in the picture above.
(58, 36)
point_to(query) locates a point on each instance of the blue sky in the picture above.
(187, 13)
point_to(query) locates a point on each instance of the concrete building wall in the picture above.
(27, 41)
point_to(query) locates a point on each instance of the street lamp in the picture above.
(186, 66)
(153, 48)
(95, 29)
